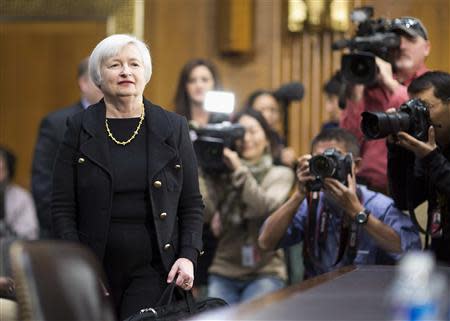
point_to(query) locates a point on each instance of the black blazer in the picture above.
(83, 183)
(51, 134)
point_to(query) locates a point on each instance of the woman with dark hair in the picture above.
(244, 197)
(267, 104)
(17, 211)
(196, 78)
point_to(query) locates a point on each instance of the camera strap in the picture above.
(434, 224)
(313, 203)
(309, 252)
(348, 242)
(348, 236)
(323, 225)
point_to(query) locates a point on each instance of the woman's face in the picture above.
(200, 81)
(123, 74)
(255, 141)
(268, 106)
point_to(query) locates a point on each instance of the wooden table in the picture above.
(350, 293)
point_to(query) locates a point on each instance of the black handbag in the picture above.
(169, 309)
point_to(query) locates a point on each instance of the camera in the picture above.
(210, 142)
(373, 38)
(331, 163)
(412, 117)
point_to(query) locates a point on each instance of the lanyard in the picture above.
(348, 240)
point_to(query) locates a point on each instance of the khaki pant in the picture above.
(8, 310)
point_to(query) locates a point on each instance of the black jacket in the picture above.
(83, 183)
(413, 181)
(51, 134)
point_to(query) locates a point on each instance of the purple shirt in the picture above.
(368, 252)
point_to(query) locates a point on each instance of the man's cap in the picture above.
(411, 26)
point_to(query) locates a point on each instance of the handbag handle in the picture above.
(167, 297)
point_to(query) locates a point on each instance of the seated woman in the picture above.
(244, 197)
(18, 219)
(17, 211)
(266, 103)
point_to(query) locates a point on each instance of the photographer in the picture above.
(267, 104)
(389, 91)
(420, 170)
(196, 78)
(361, 226)
(244, 196)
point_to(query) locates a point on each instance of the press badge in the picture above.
(250, 255)
(436, 224)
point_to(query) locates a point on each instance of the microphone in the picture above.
(285, 94)
(290, 92)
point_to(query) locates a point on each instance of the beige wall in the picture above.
(39, 61)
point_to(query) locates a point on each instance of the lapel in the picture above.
(159, 129)
(95, 145)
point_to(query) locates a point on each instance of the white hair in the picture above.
(110, 47)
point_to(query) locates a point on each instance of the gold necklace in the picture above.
(118, 142)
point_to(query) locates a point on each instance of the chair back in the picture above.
(57, 281)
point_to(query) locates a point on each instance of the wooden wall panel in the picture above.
(235, 31)
(38, 75)
(318, 63)
(180, 30)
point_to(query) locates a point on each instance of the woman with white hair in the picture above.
(125, 182)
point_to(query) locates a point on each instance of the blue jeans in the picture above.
(236, 291)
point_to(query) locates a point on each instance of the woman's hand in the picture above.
(183, 270)
(216, 225)
(231, 159)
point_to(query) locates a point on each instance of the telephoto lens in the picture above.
(377, 125)
(412, 117)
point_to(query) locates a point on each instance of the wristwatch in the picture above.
(362, 217)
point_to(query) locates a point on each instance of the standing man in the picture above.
(420, 170)
(389, 91)
(51, 134)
